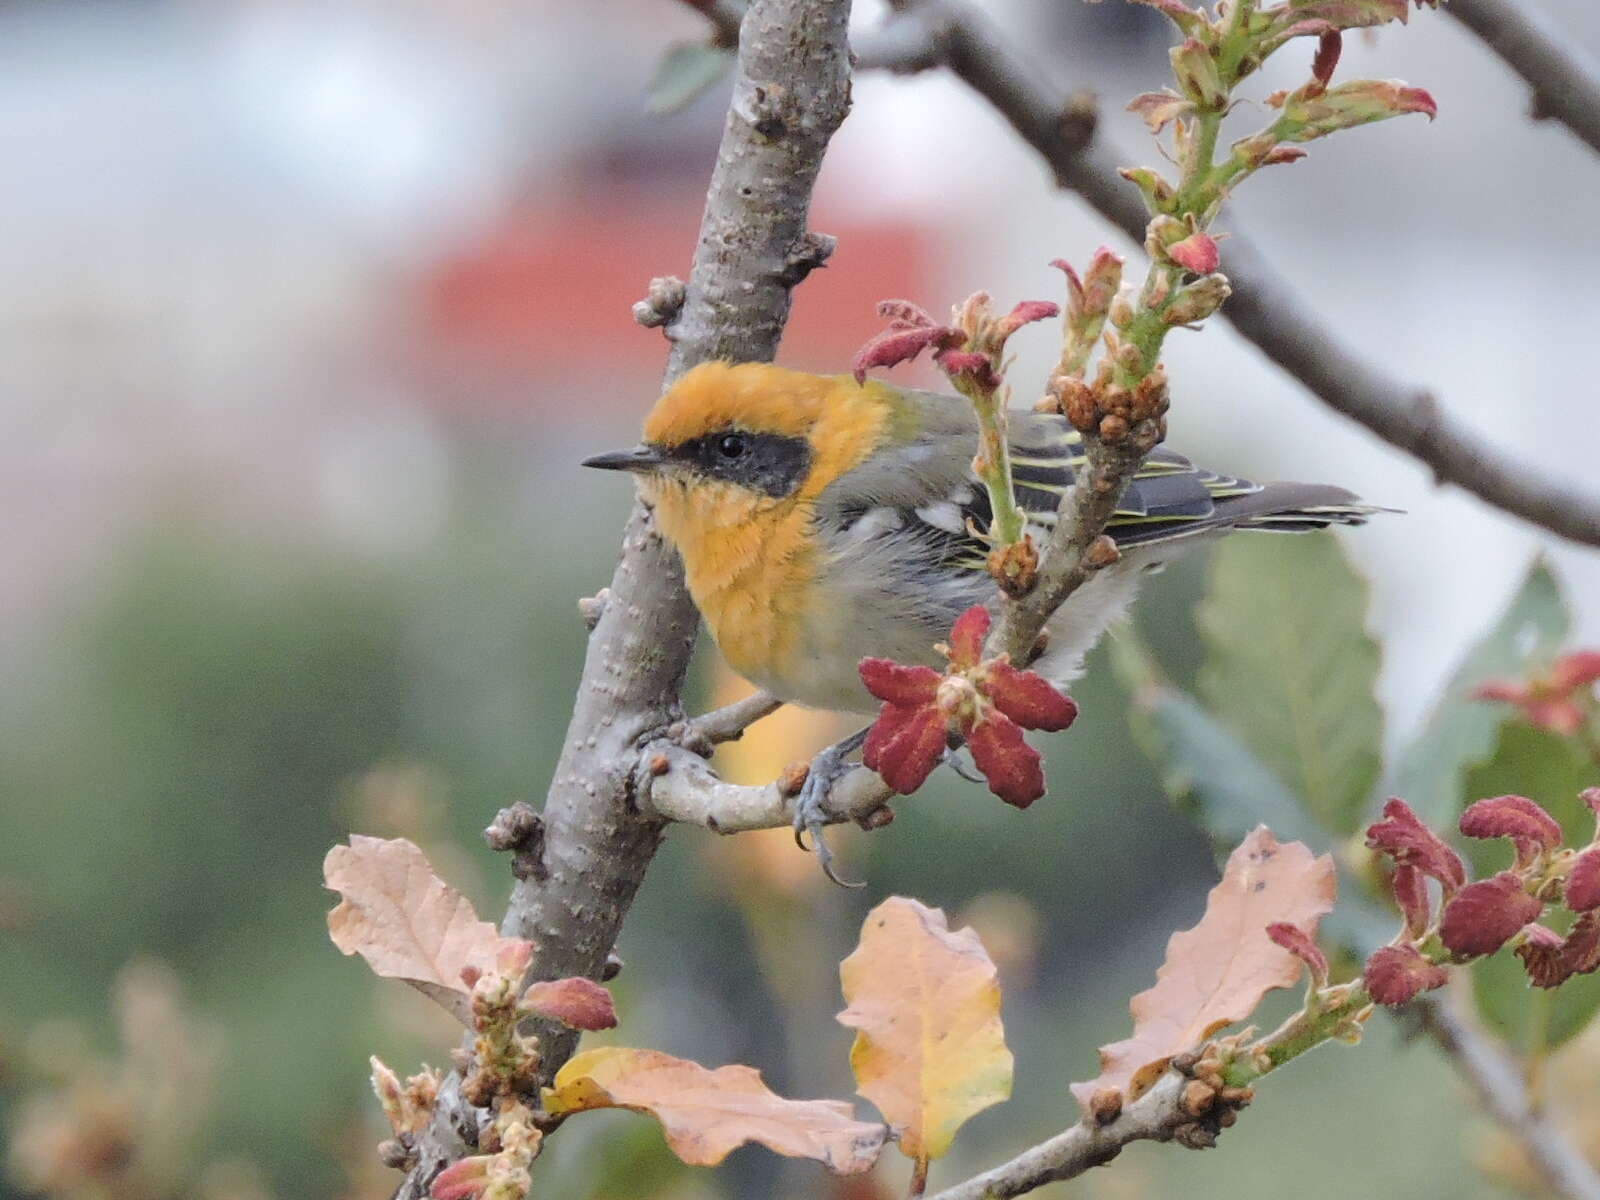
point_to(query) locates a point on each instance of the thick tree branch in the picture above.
(1499, 1086)
(1263, 308)
(791, 91)
(1565, 80)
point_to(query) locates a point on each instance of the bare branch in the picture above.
(1565, 80)
(1263, 308)
(729, 722)
(1499, 1086)
(681, 787)
(791, 91)
(1157, 1116)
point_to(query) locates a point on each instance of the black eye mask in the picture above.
(765, 462)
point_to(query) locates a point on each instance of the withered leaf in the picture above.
(705, 1113)
(925, 1004)
(1217, 972)
(406, 921)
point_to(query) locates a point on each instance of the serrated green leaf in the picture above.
(1550, 770)
(1209, 773)
(686, 70)
(1218, 781)
(1462, 730)
(1290, 668)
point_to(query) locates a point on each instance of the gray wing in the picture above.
(925, 489)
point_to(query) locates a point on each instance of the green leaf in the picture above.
(1216, 779)
(1211, 775)
(1290, 668)
(1533, 1021)
(1463, 730)
(687, 69)
(1550, 770)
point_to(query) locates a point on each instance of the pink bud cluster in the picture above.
(1560, 699)
(969, 351)
(1479, 917)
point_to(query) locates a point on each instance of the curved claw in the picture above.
(825, 861)
(952, 759)
(810, 817)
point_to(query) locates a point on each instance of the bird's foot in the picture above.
(953, 760)
(810, 813)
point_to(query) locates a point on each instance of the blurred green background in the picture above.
(216, 714)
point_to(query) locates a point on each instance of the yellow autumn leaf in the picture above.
(925, 1004)
(705, 1113)
(1217, 972)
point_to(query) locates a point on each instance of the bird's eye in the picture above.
(731, 446)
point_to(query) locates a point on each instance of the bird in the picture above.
(821, 520)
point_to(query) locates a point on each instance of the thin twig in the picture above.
(1499, 1087)
(729, 722)
(1155, 1116)
(791, 91)
(1263, 307)
(1565, 80)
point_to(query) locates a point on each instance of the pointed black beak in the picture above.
(640, 458)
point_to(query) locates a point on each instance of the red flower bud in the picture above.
(1025, 313)
(1397, 974)
(464, 1179)
(1327, 57)
(968, 362)
(1551, 700)
(1411, 894)
(1403, 837)
(1298, 943)
(1583, 882)
(1283, 154)
(893, 683)
(1197, 253)
(967, 636)
(989, 702)
(1541, 952)
(1529, 827)
(1579, 669)
(1581, 950)
(905, 744)
(1028, 699)
(901, 343)
(1012, 767)
(576, 1002)
(1484, 915)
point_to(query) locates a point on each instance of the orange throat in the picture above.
(748, 563)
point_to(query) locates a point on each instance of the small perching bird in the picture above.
(822, 521)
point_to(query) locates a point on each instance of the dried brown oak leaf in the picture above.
(925, 1004)
(407, 922)
(1217, 972)
(705, 1113)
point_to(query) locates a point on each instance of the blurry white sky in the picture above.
(212, 214)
